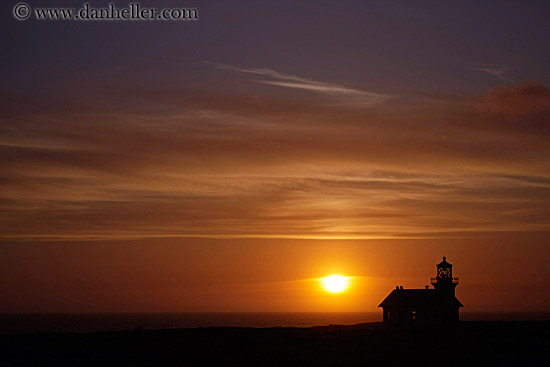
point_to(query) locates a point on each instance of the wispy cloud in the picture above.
(186, 163)
(340, 93)
(496, 70)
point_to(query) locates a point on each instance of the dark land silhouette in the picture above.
(375, 344)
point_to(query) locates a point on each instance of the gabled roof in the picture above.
(416, 298)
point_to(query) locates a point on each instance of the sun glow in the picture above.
(335, 283)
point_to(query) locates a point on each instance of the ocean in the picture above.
(97, 322)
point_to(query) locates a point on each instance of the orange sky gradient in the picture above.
(205, 167)
(364, 193)
(271, 275)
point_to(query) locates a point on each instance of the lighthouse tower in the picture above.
(444, 281)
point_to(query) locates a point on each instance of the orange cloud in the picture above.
(211, 164)
(526, 106)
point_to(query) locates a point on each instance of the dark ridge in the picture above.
(472, 343)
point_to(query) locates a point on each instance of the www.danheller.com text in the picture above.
(134, 11)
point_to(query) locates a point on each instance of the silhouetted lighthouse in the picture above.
(425, 306)
(444, 281)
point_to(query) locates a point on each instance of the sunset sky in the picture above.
(226, 164)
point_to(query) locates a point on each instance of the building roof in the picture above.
(416, 298)
(444, 264)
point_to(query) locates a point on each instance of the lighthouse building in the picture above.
(437, 305)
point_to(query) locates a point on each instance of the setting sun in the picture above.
(335, 283)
